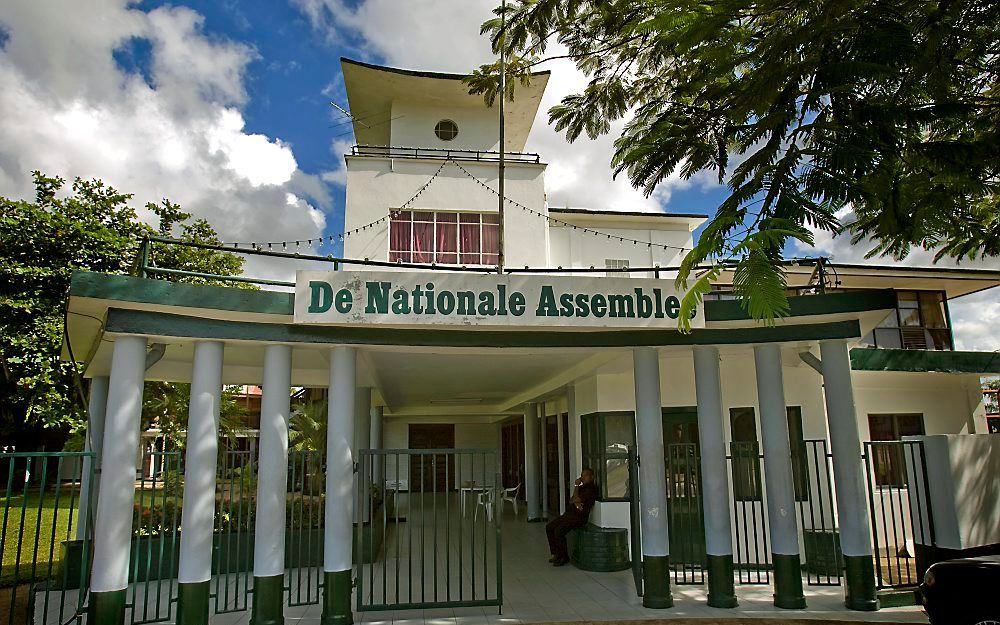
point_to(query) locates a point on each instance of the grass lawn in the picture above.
(41, 519)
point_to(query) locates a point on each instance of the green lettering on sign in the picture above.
(320, 297)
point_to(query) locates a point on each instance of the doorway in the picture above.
(682, 458)
(430, 472)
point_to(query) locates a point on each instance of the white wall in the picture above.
(576, 248)
(963, 474)
(377, 185)
(467, 436)
(413, 126)
(942, 398)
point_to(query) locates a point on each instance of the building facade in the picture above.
(759, 451)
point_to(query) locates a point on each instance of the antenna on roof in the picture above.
(348, 114)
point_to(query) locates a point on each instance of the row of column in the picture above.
(116, 405)
(845, 442)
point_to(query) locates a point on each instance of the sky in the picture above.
(223, 107)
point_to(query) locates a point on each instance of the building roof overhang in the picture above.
(920, 361)
(954, 281)
(371, 89)
(627, 219)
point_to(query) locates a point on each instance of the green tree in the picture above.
(92, 227)
(887, 107)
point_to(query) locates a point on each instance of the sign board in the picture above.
(408, 298)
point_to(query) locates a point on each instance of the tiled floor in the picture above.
(536, 592)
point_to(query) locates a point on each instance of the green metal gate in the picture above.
(823, 561)
(751, 556)
(900, 510)
(429, 529)
(46, 555)
(304, 520)
(685, 513)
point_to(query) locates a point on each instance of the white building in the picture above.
(769, 454)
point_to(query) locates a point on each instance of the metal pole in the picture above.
(503, 71)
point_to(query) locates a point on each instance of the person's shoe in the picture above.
(553, 559)
(560, 562)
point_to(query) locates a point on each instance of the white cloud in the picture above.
(444, 36)
(68, 109)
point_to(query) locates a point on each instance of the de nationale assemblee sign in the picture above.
(404, 298)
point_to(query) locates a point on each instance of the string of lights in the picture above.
(284, 245)
(551, 219)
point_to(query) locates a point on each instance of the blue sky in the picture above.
(294, 74)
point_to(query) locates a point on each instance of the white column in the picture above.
(378, 414)
(714, 477)
(272, 463)
(339, 462)
(543, 421)
(782, 524)
(714, 469)
(201, 454)
(561, 455)
(575, 447)
(652, 478)
(113, 529)
(90, 475)
(845, 446)
(533, 501)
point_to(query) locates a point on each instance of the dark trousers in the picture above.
(558, 528)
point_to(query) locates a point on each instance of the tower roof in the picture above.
(371, 89)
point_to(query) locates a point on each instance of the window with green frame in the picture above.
(606, 438)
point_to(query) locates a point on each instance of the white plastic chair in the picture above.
(510, 494)
(485, 499)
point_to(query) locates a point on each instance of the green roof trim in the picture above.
(146, 291)
(163, 292)
(122, 321)
(805, 305)
(916, 360)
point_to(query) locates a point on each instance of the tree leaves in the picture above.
(890, 108)
(93, 228)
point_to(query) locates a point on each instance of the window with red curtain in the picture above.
(447, 238)
(423, 237)
(399, 237)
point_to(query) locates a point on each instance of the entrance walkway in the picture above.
(535, 592)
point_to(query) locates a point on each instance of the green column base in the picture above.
(788, 581)
(859, 584)
(656, 582)
(107, 607)
(268, 600)
(192, 603)
(721, 585)
(337, 598)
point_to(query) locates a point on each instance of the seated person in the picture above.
(576, 516)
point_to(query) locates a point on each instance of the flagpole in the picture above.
(503, 71)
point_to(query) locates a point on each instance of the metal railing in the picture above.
(822, 558)
(304, 520)
(381, 151)
(751, 557)
(46, 563)
(900, 510)
(448, 555)
(685, 514)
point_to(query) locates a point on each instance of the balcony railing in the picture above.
(381, 151)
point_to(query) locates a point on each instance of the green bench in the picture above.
(594, 548)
